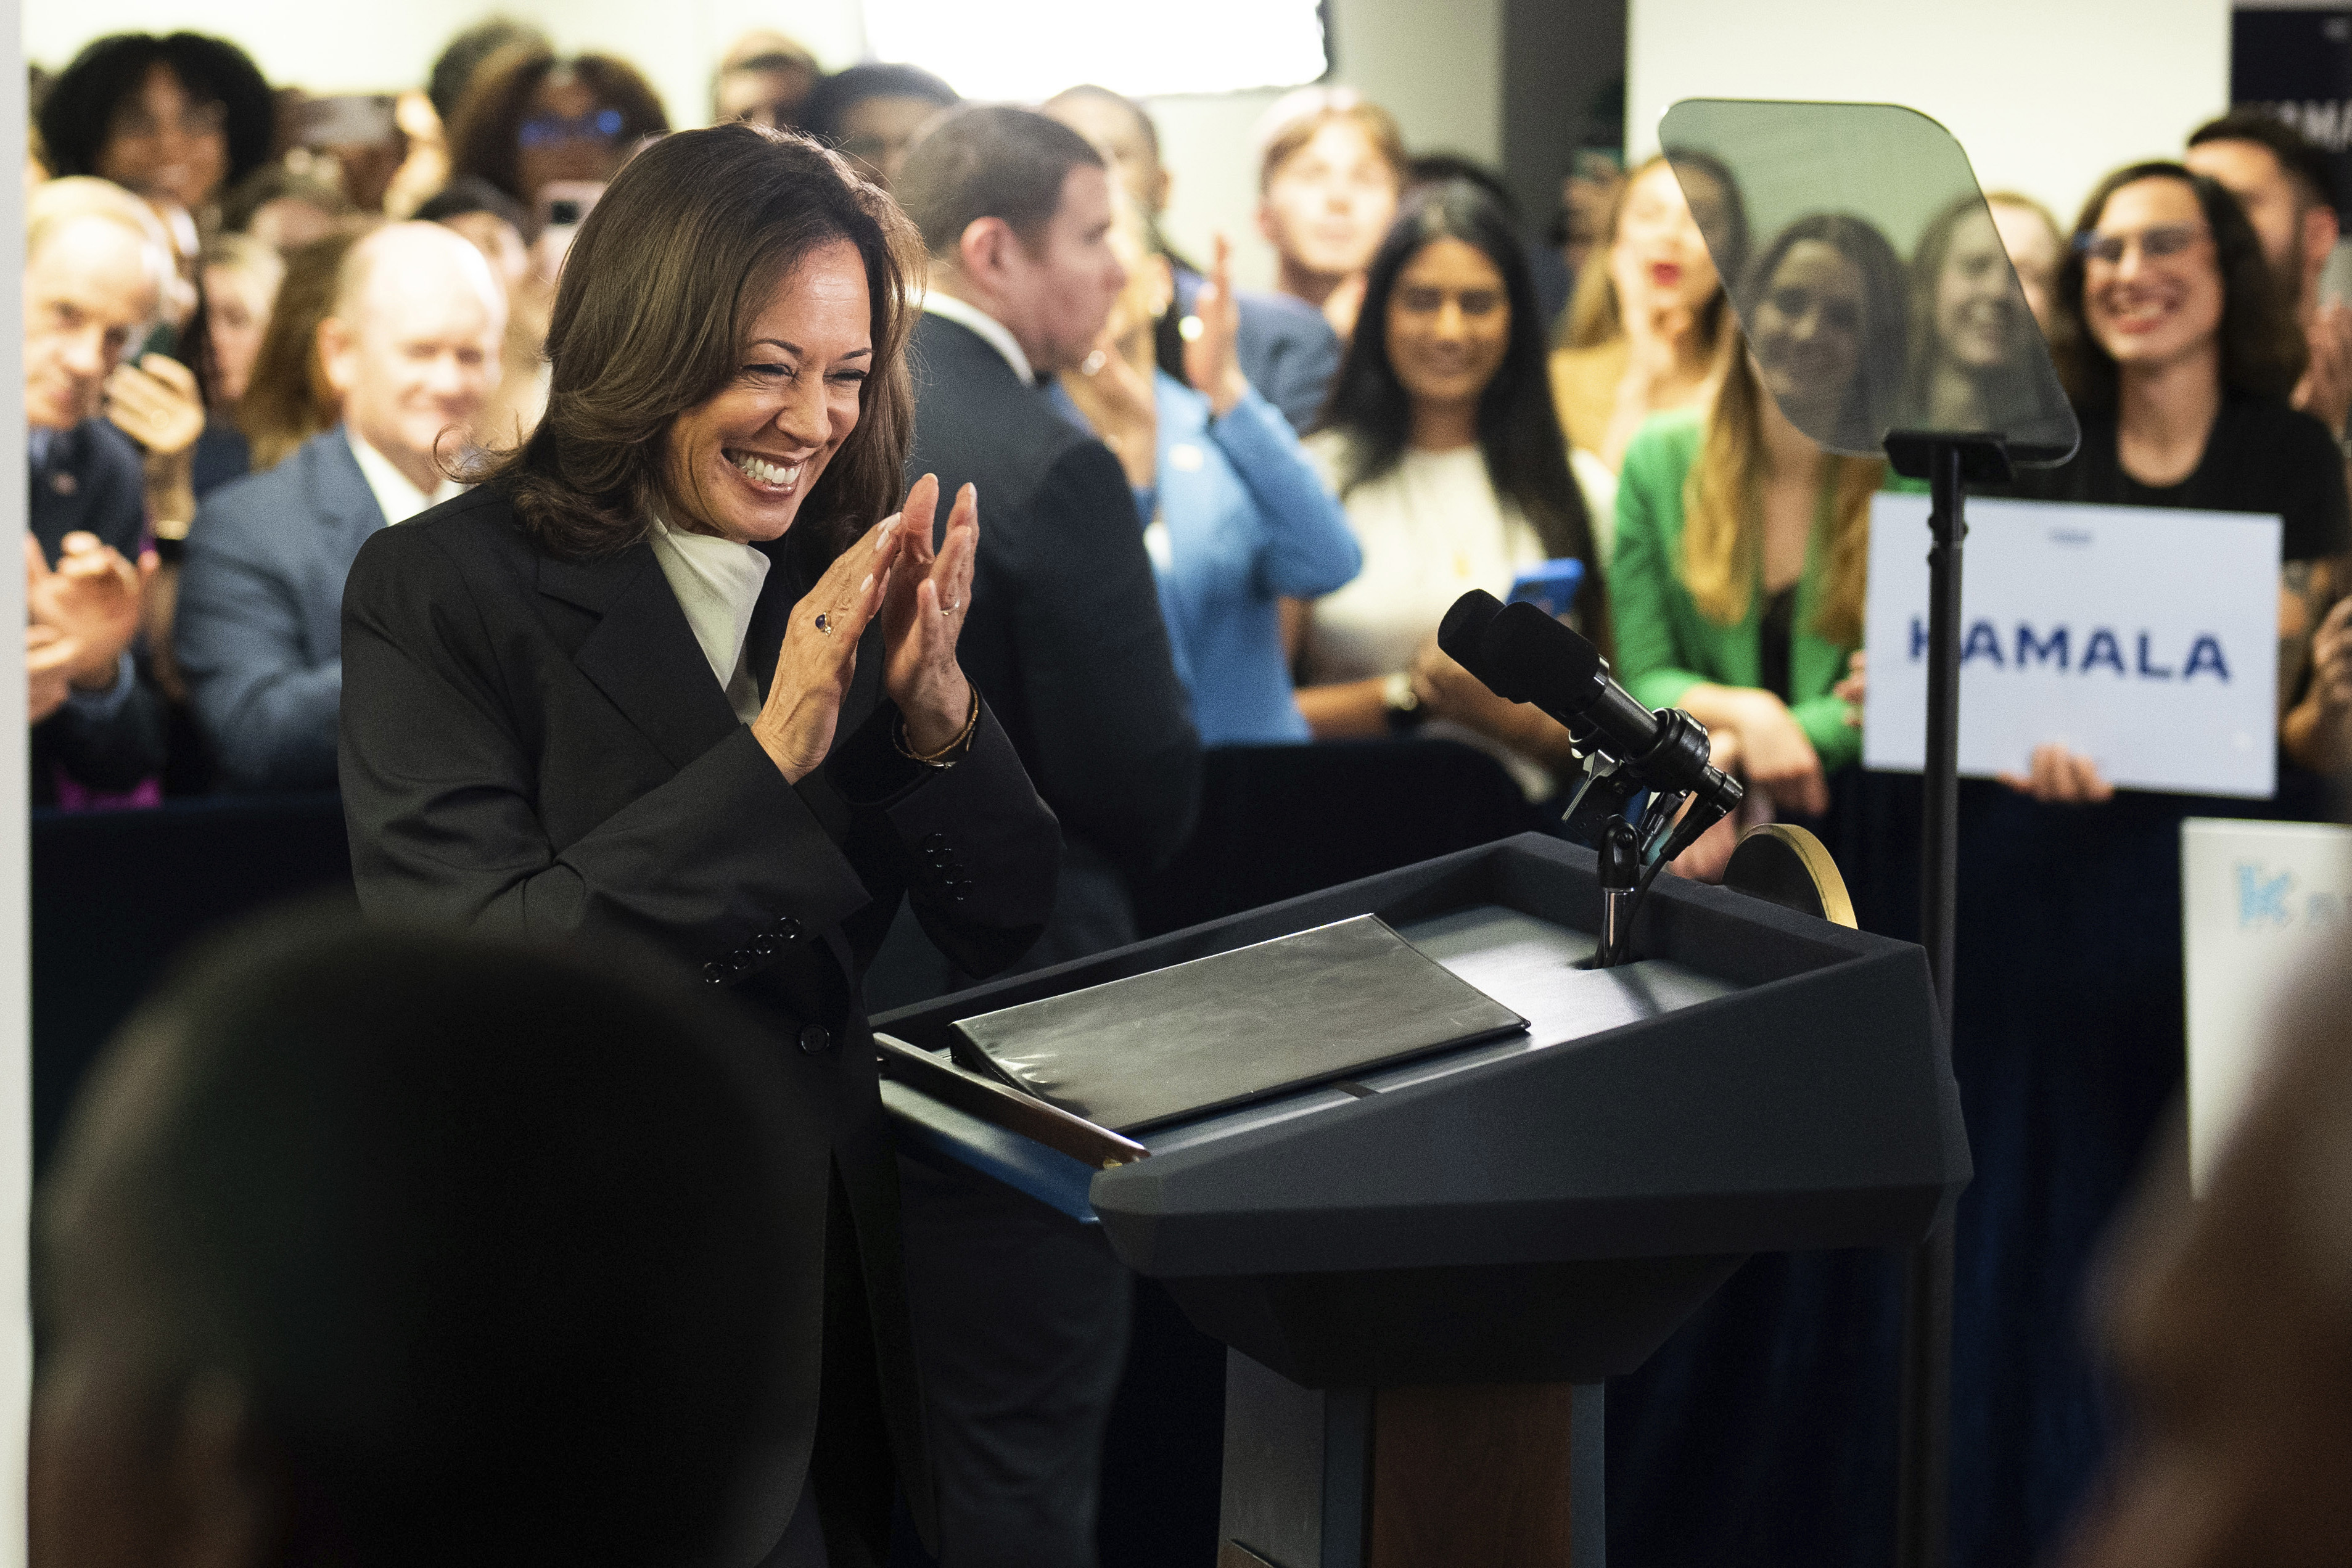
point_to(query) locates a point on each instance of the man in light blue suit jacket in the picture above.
(412, 347)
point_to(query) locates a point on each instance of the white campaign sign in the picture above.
(2262, 904)
(2145, 638)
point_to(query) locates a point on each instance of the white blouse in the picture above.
(1431, 529)
(717, 582)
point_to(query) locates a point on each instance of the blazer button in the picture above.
(787, 928)
(714, 973)
(815, 1040)
(740, 959)
(764, 946)
(933, 842)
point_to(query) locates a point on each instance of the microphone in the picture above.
(1523, 656)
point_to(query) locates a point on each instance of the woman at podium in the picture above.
(668, 678)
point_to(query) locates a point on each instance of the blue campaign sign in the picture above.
(2145, 638)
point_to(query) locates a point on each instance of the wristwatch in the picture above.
(1404, 704)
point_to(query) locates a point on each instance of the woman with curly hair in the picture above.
(530, 119)
(175, 119)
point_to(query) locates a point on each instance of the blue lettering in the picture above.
(2205, 654)
(2028, 648)
(2149, 672)
(1918, 639)
(1983, 641)
(2261, 902)
(2104, 650)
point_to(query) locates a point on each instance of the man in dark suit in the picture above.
(413, 351)
(1287, 351)
(95, 267)
(1020, 1314)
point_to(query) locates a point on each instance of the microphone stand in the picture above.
(1950, 461)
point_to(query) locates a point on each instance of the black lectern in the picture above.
(1424, 1271)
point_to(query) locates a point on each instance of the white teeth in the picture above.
(760, 471)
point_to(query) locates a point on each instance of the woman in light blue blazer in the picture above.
(1236, 518)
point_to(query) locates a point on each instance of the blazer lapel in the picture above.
(642, 654)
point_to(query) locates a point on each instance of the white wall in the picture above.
(2045, 95)
(1436, 66)
(16, 956)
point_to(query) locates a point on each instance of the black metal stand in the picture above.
(1950, 461)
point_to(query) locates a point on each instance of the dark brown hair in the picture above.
(2263, 349)
(486, 137)
(650, 321)
(990, 161)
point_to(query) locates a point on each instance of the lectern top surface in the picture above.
(1523, 961)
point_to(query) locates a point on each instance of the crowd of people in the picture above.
(263, 328)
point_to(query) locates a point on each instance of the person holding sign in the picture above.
(1742, 546)
(2183, 352)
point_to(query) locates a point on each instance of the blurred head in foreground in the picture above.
(374, 1248)
(2231, 1322)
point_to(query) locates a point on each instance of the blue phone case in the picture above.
(1552, 585)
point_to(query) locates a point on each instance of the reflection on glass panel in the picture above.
(1867, 273)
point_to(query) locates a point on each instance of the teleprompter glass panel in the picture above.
(1867, 273)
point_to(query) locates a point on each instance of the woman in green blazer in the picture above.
(1743, 548)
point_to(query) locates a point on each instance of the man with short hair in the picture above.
(1287, 351)
(95, 266)
(872, 113)
(380, 1247)
(2287, 187)
(412, 350)
(1020, 1314)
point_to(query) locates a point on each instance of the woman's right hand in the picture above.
(1779, 758)
(814, 669)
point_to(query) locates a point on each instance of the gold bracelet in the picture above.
(941, 757)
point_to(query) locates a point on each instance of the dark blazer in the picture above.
(93, 482)
(535, 745)
(1286, 349)
(259, 629)
(1063, 634)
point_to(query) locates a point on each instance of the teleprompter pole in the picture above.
(1947, 462)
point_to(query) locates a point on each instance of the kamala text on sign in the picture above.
(2145, 638)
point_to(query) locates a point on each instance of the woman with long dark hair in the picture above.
(1442, 442)
(666, 676)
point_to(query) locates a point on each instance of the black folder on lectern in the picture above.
(1232, 1028)
(1545, 1207)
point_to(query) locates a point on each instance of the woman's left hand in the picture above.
(929, 595)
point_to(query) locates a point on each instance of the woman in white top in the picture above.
(1442, 442)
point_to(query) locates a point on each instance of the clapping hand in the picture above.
(47, 651)
(2325, 390)
(819, 654)
(156, 403)
(930, 594)
(2061, 778)
(1211, 362)
(92, 600)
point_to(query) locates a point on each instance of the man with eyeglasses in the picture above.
(2286, 185)
(96, 266)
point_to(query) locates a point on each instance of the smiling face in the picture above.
(2034, 250)
(1808, 326)
(164, 144)
(1660, 258)
(1976, 318)
(90, 292)
(1449, 324)
(1327, 206)
(2156, 298)
(740, 464)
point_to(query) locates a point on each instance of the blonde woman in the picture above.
(1647, 323)
(1742, 546)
